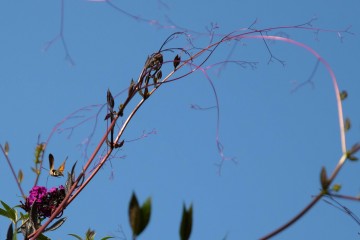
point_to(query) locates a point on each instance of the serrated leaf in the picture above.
(75, 236)
(186, 223)
(347, 124)
(20, 176)
(343, 95)
(6, 148)
(56, 225)
(10, 232)
(323, 179)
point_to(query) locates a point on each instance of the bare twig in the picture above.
(13, 171)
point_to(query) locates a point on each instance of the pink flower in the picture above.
(36, 194)
(46, 200)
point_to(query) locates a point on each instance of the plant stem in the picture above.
(294, 219)
(13, 171)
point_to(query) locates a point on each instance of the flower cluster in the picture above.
(46, 201)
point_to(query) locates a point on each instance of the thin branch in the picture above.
(60, 36)
(309, 80)
(330, 71)
(144, 85)
(13, 171)
(342, 208)
(294, 219)
(353, 198)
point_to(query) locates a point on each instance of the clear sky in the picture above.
(280, 139)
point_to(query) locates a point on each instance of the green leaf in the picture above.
(10, 213)
(33, 216)
(336, 187)
(186, 223)
(20, 176)
(352, 158)
(121, 110)
(42, 237)
(354, 148)
(10, 232)
(7, 207)
(105, 238)
(6, 148)
(158, 75)
(145, 214)
(4, 213)
(139, 217)
(343, 95)
(70, 179)
(350, 153)
(324, 180)
(75, 236)
(40, 148)
(134, 215)
(36, 171)
(24, 216)
(56, 225)
(347, 124)
(15, 215)
(90, 234)
(73, 171)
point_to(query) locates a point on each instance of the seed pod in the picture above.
(110, 99)
(159, 75)
(176, 61)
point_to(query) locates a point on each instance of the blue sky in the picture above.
(280, 139)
